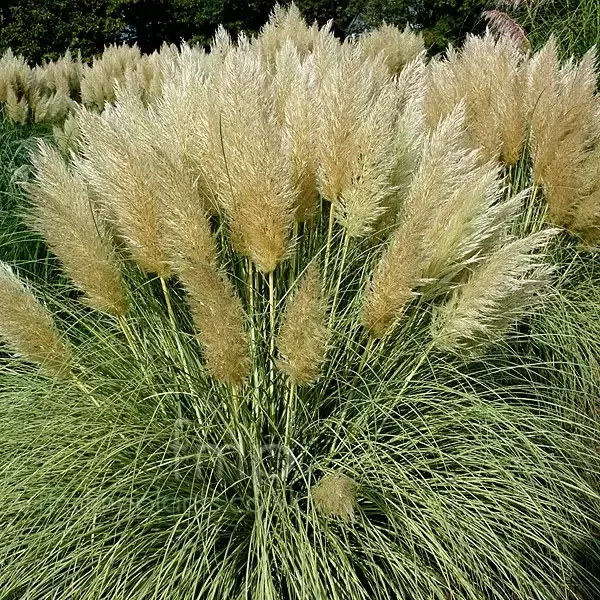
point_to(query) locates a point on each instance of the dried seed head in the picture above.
(98, 82)
(444, 165)
(295, 88)
(335, 496)
(119, 166)
(63, 213)
(302, 339)
(501, 291)
(216, 309)
(347, 90)
(285, 25)
(505, 27)
(585, 217)
(397, 47)
(27, 328)
(393, 282)
(257, 193)
(489, 77)
(455, 217)
(564, 124)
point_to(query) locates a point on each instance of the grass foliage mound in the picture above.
(306, 340)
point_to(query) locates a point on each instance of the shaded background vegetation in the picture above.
(44, 29)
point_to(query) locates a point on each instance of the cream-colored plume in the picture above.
(398, 47)
(489, 77)
(63, 213)
(347, 88)
(216, 309)
(335, 496)
(359, 109)
(302, 339)
(285, 26)
(27, 327)
(454, 217)
(564, 124)
(585, 220)
(119, 166)
(15, 86)
(257, 191)
(98, 81)
(296, 97)
(505, 288)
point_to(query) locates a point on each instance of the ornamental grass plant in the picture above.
(311, 339)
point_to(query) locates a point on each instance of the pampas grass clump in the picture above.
(293, 355)
(537, 115)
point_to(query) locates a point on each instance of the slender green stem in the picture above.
(289, 415)
(366, 353)
(424, 356)
(251, 300)
(272, 332)
(173, 321)
(294, 259)
(165, 291)
(339, 279)
(85, 390)
(128, 335)
(235, 417)
(329, 238)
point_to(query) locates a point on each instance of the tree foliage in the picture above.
(441, 21)
(44, 29)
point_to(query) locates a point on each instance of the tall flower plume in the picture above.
(257, 192)
(454, 217)
(501, 291)
(64, 214)
(302, 339)
(119, 168)
(564, 124)
(216, 309)
(27, 327)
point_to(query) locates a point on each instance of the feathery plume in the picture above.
(455, 217)
(302, 339)
(119, 166)
(408, 137)
(183, 124)
(27, 327)
(216, 309)
(346, 92)
(295, 87)
(564, 124)
(63, 213)
(285, 25)
(359, 108)
(397, 47)
(489, 77)
(361, 202)
(335, 496)
(500, 292)
(98, 81)
(400, 268)
(257, 193)
(17, 108)
(585, 220)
